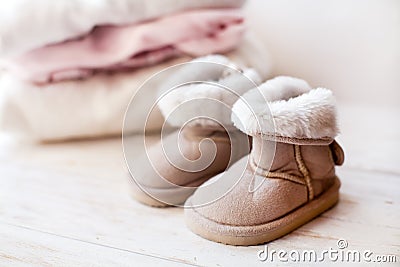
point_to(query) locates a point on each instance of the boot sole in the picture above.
(174, 196)
(263, 233)
(138, 194)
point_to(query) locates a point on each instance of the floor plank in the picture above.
(73, 198)
(21, 246)
(98, 209)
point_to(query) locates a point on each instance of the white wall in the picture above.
(349, 46)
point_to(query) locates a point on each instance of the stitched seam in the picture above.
(285, 176)
(296, 140)
(304, 171)
(332, 159)
(252, 225)
(272, 175)
(330, 155)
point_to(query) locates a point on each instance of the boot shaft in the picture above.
(312, 163)
(232, 144)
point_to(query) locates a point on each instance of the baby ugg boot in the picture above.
(197, 99)
(288, 178)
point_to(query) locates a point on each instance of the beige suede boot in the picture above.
(288, 178)
(206, 141)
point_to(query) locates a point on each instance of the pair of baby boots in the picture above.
(248, 161)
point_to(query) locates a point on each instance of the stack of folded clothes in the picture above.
(70, 68)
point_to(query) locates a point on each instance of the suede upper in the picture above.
(188, 158)
(261, 196)
(289, 176)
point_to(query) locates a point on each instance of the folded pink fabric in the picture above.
(109, 48)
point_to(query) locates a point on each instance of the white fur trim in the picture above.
(287, 107)
(211, 92)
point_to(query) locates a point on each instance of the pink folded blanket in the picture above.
(108, 48)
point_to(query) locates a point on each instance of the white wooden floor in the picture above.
(68, 205)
